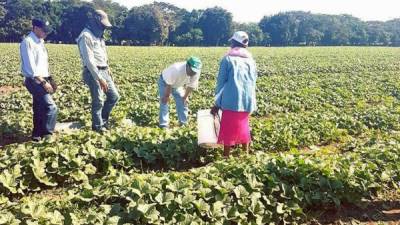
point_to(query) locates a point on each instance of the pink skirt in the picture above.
(234, 129)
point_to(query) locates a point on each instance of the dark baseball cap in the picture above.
(43, 24)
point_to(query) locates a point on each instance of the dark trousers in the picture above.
(44, 109)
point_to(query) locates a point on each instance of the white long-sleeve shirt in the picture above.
(34, 57)
(93, 52)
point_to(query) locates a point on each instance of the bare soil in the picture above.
(6, 90)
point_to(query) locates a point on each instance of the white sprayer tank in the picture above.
(208, 128)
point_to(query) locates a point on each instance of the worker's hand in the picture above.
(165, 99)
(185, 101)
(48, 88)
(214, 110)
(110, 73)
(53, 85)
(103, 85)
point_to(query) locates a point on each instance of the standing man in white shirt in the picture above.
(173, 80)
(35, 69)
(96, 71)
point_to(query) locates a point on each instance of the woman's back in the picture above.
(237, 81)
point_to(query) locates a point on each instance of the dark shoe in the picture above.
(164, 127)
(48, 137)
(36, 139)
(107, 126)
(101, 130)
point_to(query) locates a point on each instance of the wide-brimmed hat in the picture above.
(103, 18)
(241, 37)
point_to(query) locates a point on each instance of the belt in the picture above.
(44, 78)
(102, 67)
(98, 67)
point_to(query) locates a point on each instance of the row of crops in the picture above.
(327, 132)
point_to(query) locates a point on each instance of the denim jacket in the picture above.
(236, 82)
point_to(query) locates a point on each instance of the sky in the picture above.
(254, 10)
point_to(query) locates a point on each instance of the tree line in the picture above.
(165, 24)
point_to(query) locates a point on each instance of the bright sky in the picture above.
(254, 10)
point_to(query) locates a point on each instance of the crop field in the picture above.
(326, 133)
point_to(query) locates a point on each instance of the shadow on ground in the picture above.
(373, 212)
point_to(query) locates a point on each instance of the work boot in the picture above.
(36, 139)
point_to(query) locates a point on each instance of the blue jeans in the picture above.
(44, 109)
(102, 103)
(181, 108)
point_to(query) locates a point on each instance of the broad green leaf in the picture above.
(34, 209)
(202, 206)
(38, 169)
(79, 175)
(9, 178)
(113, 220)
(279, 208)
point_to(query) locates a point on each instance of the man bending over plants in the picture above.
(179, 79)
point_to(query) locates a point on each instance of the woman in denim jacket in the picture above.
(235, 94)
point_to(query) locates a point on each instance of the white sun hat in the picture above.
(241, 37)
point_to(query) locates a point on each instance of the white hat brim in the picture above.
(106, 22)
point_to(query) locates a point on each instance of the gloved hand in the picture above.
(214, 110)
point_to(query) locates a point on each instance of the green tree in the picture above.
(266, 39)
(172, 18)
(313, 37)
(3, 13)
(18, 19)
(377, 35)
(393, 28)
(216, 25)
(294, 28)
(308, 31)
(74, 19)
(192, 37)
(188, 31)
(118, 31)
(145, 25)
(282, 28)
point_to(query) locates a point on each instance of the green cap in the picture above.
(195, 64)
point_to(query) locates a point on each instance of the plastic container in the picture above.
(208, 129)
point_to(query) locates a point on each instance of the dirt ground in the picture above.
(6, 90)
(384, 209)
(7, 140)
